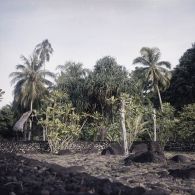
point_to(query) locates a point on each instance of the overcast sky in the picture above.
(86, 30)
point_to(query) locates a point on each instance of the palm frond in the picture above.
(141, 60)
(25, 60)
(47, 73)
(61, 67)
(20, 67)
(164, 63)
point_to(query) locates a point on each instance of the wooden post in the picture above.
(124, 133)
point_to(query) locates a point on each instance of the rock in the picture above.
(64, 152)
(45, 192)
(164, 173)
(21, 170)
(12, 193)
(43, 170)
(146, 157)
(139, 148)
(144, 153)
(91, 150)
(180, 159)
(184, 173)
(138, 190)
(129, 160)
(114, 149)
(108, 151)
(149, 157)
(157, 192)
(155, 147)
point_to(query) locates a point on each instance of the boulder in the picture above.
(155, 147)
(113, 149)
(180, 159)
(64, 152)
(184, 173)
(157, 192)
(150, 152)
(139, 148)
(145, 157)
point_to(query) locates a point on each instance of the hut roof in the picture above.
(19, 126)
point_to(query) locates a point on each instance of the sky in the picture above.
(86, 30)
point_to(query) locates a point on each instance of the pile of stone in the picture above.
(149, 152)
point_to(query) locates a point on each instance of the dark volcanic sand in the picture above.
(48, 174)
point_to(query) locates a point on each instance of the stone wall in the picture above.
(23, 146)
(180, 146)
(40, 146)
(80, 146)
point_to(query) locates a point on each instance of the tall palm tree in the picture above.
(1, 94)
(156, 72)
(44, 50)
(30, 82)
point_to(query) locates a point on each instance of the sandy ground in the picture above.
(147, 175)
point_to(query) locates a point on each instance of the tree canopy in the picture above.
(156, 73)
(182, 88)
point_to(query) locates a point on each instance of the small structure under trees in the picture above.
(20, 124)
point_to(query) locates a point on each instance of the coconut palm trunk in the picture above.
(159, 96)
(124, 132)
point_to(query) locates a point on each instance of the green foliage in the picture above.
(1, 94)
(100, 129)
(7, 121)
(60, 121)
(92, 129)
(156, 73)
(182, 88)
(186, 123)
(108, 79)
(134, 116)
(30, 80)
(114, 132)
(43, 51)
(72, 79)
(166, 123)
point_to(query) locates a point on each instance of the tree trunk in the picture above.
(159, 97)
(44, 134)
(124, 133)
(30, 125)
(30, 129)
(45, 129)
(154, 121)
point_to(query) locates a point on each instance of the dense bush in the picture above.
(186, 123)
(7, 121)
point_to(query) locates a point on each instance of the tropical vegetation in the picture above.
(106, 103)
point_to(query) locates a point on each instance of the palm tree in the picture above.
(1, 94)
(30, 82)
(156, 72)
(44, 50)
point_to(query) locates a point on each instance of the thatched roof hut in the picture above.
(19, 126)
